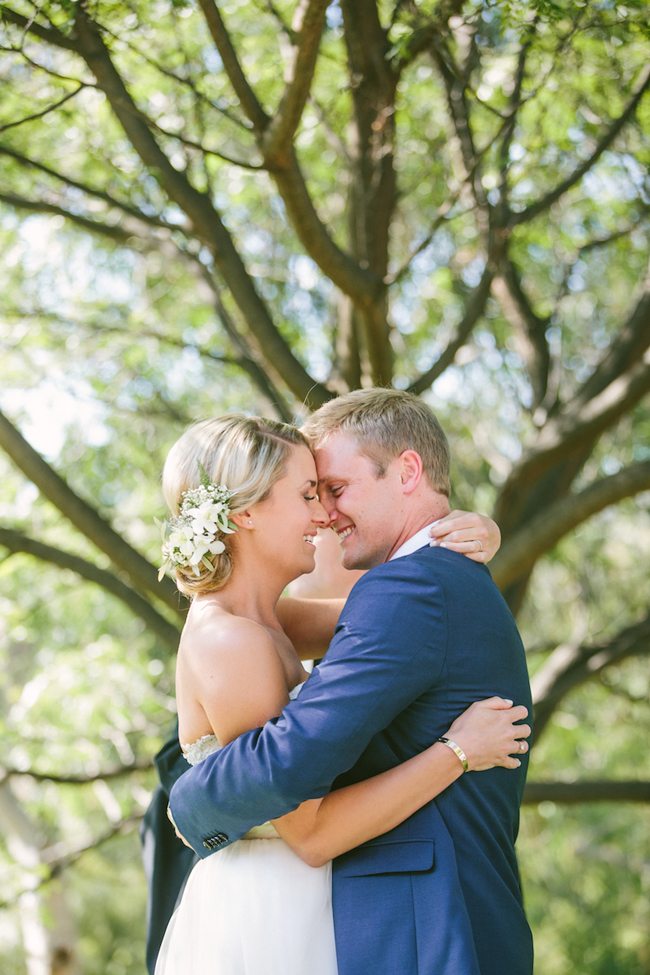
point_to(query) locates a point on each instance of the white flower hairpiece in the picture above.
(191, 535)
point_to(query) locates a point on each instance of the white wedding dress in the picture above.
(253, 908)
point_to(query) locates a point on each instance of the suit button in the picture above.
(213, 842)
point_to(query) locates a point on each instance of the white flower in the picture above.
(190, 537)
(205, 518)
(181, 539)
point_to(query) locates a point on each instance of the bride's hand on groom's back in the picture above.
(476, 536)
(488, 735)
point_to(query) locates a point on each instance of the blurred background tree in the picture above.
(255, 205)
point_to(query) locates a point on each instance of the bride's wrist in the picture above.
(457, 749)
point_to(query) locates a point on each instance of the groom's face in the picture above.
(364, 509)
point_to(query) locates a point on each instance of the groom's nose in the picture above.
(328, 503)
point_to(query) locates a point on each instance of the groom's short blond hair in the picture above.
(385, 423)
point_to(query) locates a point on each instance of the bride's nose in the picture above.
(319, 516)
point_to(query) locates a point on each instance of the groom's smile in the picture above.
(343, 534)
(363, 505)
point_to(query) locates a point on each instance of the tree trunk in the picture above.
(48, 950)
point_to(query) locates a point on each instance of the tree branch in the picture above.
(473, 312)
(628, 347)
(165, 631)
(573, 428)
(460, 116)
(89, 190)
(443, 215)
(548, 468)
(285, 27)
(594, 791)
(143, 575)
(521, 551)
(51, 35)
(244, 357)
(46, 111)
(307, 28)
(192, 144)
(360, 284)
(247, 362)
(332, 137)
(198, 207)
(179, 79)
(515, 104)
(114, 773)
(243, 360)
(247, 97)
(547, 201)
(570, 665)
(116, 233)
(57, 861)
(530, 327)
(420, 40)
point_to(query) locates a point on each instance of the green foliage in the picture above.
(585, 888)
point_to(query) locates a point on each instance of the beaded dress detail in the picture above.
(200, 749)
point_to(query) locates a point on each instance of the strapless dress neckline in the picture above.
(196, 751)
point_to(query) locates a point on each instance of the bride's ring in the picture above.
(522, 746)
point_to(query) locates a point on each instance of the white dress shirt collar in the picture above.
(412, 544)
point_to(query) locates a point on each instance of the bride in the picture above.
(242, 492)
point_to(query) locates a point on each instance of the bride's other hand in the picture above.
(488, 735)
(179, 835)
(476, 536)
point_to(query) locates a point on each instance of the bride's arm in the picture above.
(309, 623)
(321, 829)
(476, 536)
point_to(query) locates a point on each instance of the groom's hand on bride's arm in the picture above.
(476, 536)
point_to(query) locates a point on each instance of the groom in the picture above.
(422, 635)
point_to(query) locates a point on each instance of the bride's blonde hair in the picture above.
(247, 454)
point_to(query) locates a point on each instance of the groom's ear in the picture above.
(410, 470)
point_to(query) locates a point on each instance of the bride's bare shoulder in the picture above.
(230, 667)
(214, 634)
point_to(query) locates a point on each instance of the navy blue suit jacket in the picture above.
(420, 638)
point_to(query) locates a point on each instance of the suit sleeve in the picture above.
(389, 647)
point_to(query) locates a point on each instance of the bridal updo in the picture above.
(247, 454)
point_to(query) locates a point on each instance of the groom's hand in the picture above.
(475, 536)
